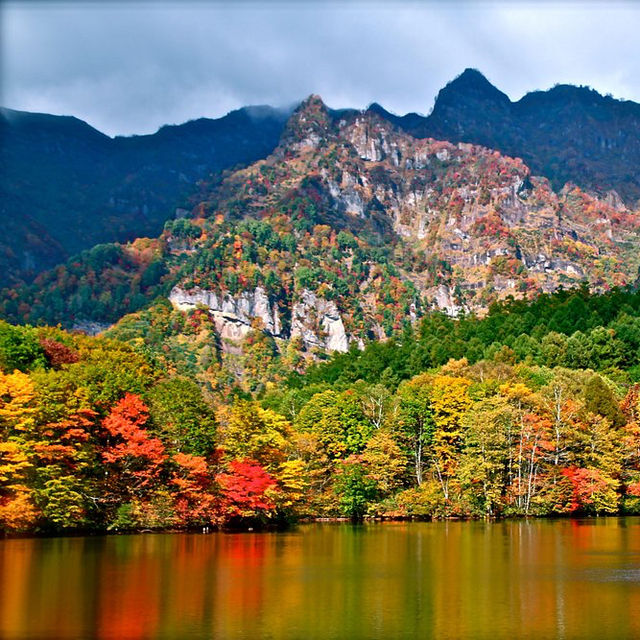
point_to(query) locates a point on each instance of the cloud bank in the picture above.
(129, 68)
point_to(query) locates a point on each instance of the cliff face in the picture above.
(315, 321)
(318, 323)
(568, 134)
(233, 316)
(349, 230)
(500, 230)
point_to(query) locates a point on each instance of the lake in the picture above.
(515, 579)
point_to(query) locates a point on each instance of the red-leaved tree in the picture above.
(134, 457)
(245, 489)
(197, 499)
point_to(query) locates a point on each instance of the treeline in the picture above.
(101, 434)
(92, 436)
(489, 439)
(570, 328)
(101, 284)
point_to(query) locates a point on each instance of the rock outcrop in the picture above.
(90, 327)
(233, 316)
(318, 323)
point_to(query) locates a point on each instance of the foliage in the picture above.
(101, 434)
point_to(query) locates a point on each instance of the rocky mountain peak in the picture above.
(308, 125)
(313, 102)
(470, 86)
(311, 110)
(567, 133)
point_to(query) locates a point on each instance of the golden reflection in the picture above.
(538, 579)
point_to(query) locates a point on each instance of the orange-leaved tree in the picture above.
(134, 458)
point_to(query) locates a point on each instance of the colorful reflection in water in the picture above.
(541, 579)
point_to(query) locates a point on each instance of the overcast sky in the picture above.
(129, 68)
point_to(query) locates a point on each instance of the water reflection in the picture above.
(564, 579)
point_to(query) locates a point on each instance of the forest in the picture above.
(533, 410)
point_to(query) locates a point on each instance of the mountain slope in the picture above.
(347, 232)
(65, 187)
(568, 133)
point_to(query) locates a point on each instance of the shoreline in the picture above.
(274, 528)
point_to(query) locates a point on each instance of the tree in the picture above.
(415, 420)
(559, 398)
(246, 430)
(599, 399)
(17, 396)
(18, 511)
(245, 489)
(19, 349)
(450, 401)
(354, 488)
(384, 463)
(293, 482)
(484, 460)
(375, 401)
(57, 354)
(65, 464)
(587, 490)
(530, 441)
(338, 422)
(631, 442)
(108, 370)
(196, 491)
(181, 416)
(553, 349)
(134, 458)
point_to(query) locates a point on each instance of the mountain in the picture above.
(567, 134)
(347, 232)
(65, 187)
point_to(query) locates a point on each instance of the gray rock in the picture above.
(90, 327)
(232, 315)
(445, 301)
(318, 323)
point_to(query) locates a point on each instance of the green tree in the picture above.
(414, 423)
(20, 349)
(600, 399)
(484, 460)
(355, 490)
(181, 417)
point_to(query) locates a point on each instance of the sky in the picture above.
(130, 67)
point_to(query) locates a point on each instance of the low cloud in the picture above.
(129, 68)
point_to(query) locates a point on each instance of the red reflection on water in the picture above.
(129, 596)
(240, 581)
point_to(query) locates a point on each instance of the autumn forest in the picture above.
(516, 414)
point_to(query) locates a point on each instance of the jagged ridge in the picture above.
(567, 134)
(347, 232)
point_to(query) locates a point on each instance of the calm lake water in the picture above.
(541, 579)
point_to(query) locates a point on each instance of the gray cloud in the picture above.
(129, 68)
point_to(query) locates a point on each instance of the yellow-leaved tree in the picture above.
(450, 401)
(17, 511)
